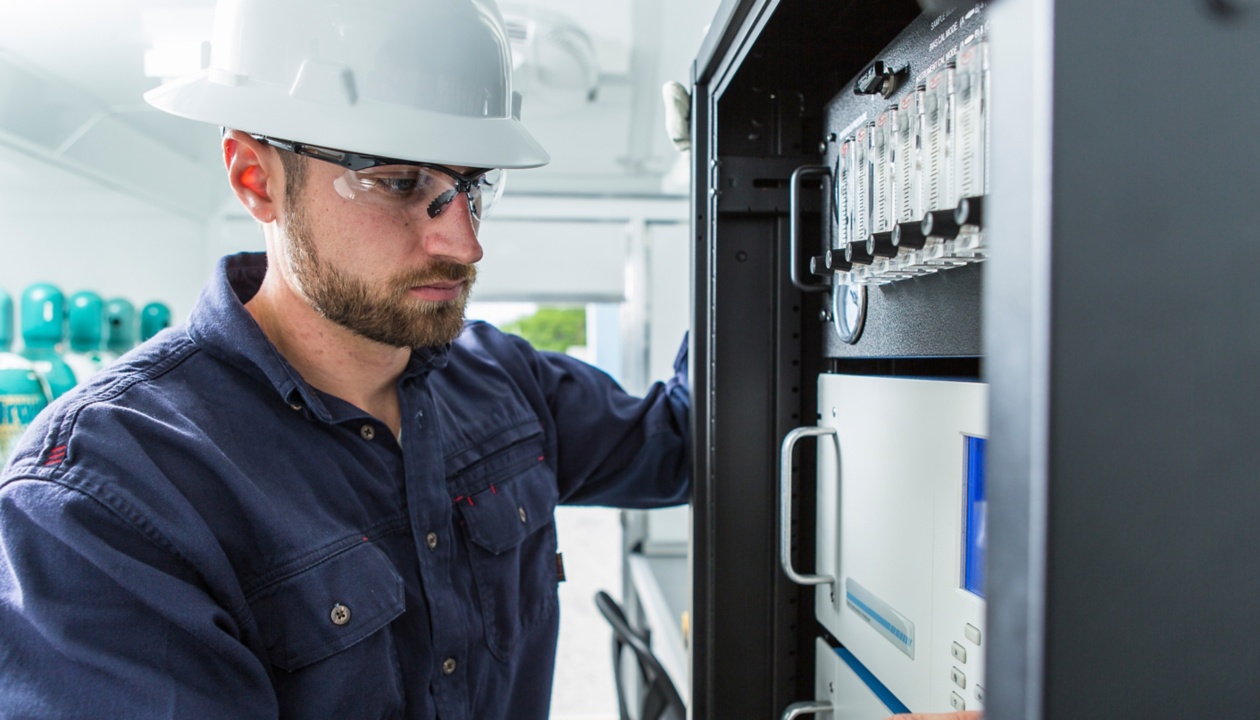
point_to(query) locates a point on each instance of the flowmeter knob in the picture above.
(858, 254)
(881, 245)
(970, 211)
(909, 235)
(939, 224)
(835, 260)
(818, 266)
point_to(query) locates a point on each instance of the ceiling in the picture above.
(72, 73)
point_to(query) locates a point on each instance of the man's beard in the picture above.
(386, 314)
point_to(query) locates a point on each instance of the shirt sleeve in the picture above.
(616, 449)
(98, 619)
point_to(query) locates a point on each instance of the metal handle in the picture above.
(796, 710)
(785, 506)
(794, 204)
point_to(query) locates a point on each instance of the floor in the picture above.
(590, 539)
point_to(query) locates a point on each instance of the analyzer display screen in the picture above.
(976, 537)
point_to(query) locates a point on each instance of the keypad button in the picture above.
(956, 701)
(980, 694)
(959, 652)
(958, 677)
(972, 633)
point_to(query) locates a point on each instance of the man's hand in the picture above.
(968, 715)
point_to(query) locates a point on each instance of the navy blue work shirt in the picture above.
(198, 533)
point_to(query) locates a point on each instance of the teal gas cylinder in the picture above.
(22, 392)
(154, 318)
(43, 328)
(6, 321)
(86, 328)
(120, 326)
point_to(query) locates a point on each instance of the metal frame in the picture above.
(745, 614)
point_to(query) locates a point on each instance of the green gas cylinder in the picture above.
(22, 392)
(154, 318)
(120, 326)
(86, 323)
(43, 327)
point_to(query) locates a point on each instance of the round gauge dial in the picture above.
(849, 311)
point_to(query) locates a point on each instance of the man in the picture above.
(324, 496)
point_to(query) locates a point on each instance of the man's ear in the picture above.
(255, 174)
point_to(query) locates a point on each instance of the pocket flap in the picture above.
(329, 607)
(499, 455)
(507, 511)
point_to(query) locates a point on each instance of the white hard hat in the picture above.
(420, 80)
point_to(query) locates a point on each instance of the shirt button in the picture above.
(521, 512)
(340, 614)
(296, 405)
(368, 432)
(431, 540)
(448, 666)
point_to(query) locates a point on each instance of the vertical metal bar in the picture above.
(700, 354)
(1016, 337)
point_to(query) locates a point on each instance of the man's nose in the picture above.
(452, 235)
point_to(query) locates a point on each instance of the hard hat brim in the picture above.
(394, 131)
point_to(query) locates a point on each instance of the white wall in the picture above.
(552, 261)
(59, 228)
(633, 251)
(668, 293)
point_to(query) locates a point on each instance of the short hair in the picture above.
(294, 172)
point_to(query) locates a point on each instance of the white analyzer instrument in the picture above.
(900, 544)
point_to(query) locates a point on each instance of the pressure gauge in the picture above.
(849, 311)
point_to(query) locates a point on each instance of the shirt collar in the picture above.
(220, 324)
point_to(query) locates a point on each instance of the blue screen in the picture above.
(977, 535)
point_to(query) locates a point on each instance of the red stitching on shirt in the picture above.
(493, 491)
(56, 455)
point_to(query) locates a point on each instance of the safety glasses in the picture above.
(422, 190)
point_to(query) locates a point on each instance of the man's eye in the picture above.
(397, 185)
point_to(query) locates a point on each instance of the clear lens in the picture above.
(393, 185)
(491, 183)
(422, 191)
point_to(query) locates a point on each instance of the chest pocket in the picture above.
(325, 633)
(506, 497)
